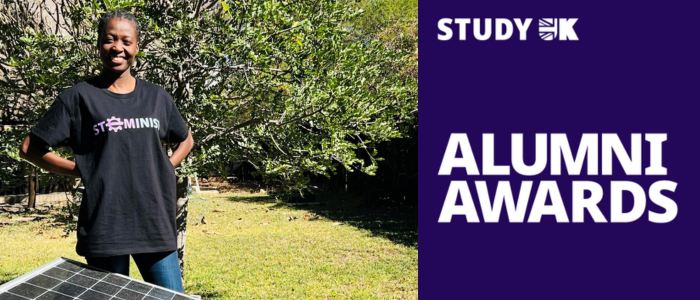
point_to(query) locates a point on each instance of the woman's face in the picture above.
(118, 46)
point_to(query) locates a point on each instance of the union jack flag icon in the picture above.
(548, 29)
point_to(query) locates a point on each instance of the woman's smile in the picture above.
(118, 59)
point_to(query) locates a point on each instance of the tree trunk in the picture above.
(31, 202)
(182, 201)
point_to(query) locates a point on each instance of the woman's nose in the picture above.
(118, 46)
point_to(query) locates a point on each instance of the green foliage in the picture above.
(280, 84)
(380, 14)
(394, 24)
(68, 214)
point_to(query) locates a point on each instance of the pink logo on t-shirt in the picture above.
(115, 124)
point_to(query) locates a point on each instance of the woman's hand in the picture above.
(34, 150)
(181, 152)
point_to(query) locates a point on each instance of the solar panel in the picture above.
(67, 279)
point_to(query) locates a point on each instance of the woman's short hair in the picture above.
(117, 14)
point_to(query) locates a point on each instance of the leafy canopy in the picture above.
(280, 84)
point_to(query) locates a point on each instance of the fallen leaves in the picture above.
(13, 209)
(312, 217)
(13, 220)
(212, 232)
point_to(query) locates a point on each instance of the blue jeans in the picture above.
(161, 268)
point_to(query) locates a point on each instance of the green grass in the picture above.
(350, 252)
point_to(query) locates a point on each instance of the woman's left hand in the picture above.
(182, 150)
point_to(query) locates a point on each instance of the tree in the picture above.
(394, 24)
(279, 84)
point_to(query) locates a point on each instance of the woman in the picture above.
(114, 123)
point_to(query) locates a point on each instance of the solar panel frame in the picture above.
(74, 290)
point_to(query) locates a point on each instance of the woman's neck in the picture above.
(121, 83)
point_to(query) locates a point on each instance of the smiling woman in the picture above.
(129, 202)
(117, 41)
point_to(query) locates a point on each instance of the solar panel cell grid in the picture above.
(70, 267)
(8, 296)
(44, 281)
(106, 288)
(59, 274)
(69, 289)
(82, 281)
(27, 290)
(93, 273)
(66, 279)
(116, 280)
(161, 294)
(129, 295)
(139, 287)
(92, 295)
(53, 296)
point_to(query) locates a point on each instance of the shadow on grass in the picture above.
(395, 222)
(54, 218)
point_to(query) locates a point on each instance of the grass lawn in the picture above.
(254, 248)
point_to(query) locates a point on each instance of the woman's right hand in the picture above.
(34, 150)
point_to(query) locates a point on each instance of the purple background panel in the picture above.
(633, 70)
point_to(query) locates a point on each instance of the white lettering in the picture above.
(540, 154)
(522, 27)
(616, 189)
(516, 213)
(444, 28)
(539, 208)
(668, 204)
(566, 29)
(655, 167)
(449, 160)
(580, 203)
(560, 148)
(487, 29)
(500, 35)
(488, 160)
(631, 164)
(450, 207)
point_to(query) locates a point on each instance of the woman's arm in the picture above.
(34, 150)
(182, 150)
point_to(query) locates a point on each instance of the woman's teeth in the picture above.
(117, 60)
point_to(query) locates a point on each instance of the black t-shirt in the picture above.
(129, 202)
